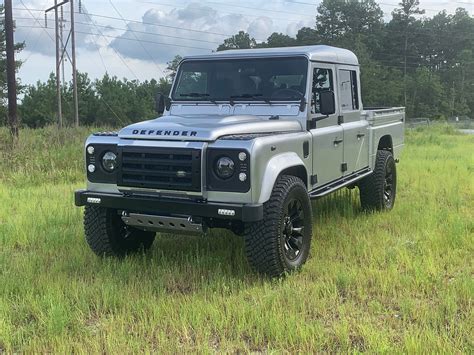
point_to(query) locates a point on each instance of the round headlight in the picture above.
(225, 167)
(109, 161)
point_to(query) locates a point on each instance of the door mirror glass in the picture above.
(327, 102)
(160, 103)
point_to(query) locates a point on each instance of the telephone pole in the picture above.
(61, 40)
(60, 50)
(74, 73)
(11, 68)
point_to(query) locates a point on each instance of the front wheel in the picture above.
(108, 235)
(378, 190)
(280, 243)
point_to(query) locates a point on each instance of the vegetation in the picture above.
(395, 282)
(3, 67)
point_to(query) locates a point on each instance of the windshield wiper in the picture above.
(248, 96)
(199, 94)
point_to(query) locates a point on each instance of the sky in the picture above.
(135, 39)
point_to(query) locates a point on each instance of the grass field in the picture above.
(390, 282)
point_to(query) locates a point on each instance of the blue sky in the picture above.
(135, 39)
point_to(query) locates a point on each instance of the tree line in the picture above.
(423, 63)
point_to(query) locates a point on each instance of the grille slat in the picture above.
(160, 168)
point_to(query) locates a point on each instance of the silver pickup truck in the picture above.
(246, 140)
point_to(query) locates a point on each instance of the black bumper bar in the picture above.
(167, 206)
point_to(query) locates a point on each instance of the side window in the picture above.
(322, 81)
(348, 90)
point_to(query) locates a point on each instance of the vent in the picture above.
(160, 168)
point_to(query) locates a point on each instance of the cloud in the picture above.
(192, 29)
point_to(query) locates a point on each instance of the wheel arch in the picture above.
(385, 143)
(282, 164)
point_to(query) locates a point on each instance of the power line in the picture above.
(151, 24)
(208, 9)
(126, 39)
(134, 31)
(260, 9)
(136, 37)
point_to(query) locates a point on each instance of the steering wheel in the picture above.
(287, 93)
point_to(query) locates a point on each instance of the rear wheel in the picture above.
(378, 190)
(280, 243)
(108, 235)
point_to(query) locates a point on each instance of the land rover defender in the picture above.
(246, 139)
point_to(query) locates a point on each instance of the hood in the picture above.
(205, 128)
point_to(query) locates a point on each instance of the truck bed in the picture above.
(385, 122)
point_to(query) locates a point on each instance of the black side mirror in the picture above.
(160, 103)
(327, 103)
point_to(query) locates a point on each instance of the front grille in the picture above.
(160, 168)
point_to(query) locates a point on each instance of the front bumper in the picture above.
(169, 206)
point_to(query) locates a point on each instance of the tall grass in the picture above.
(384, 282)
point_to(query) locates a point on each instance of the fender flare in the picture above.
(275, 166)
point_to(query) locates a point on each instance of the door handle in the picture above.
(337, 141)
(360, 135)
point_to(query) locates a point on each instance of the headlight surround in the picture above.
(224, 167)
(109, 161)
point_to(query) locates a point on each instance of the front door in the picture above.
(327, 133)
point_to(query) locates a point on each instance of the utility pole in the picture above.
(61, 39)
(11, 68)
(58, 57)
(74, 73)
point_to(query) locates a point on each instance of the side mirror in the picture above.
(327, 103)
(160, 103)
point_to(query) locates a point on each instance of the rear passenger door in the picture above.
(327, 133)
(355, 128)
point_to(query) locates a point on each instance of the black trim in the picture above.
(100, 175)
(305, 149)
(232, 184)
(168, 206)
(314, 179)
(344, 167)
(159, 168)
(338, 183)
(340, 120)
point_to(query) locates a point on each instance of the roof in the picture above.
(319, 53)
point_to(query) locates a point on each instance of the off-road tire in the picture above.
(266, 241)
(107, 235)
(376, 193)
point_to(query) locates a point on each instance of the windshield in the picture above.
(260, 79)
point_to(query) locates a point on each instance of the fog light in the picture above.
(91, 168)
(242, 177)
(90, 150)
(242, 156)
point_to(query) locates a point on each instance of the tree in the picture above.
(278, 40)
(307, 36)
(173, 67)
(38, 108)
(241, 40)
(3, 67)
(405, 20)
(341, 22)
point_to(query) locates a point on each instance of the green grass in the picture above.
(385, 282)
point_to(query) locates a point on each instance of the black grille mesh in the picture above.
(160, 168)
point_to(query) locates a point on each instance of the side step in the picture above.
(162, 224)
(339, 183)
